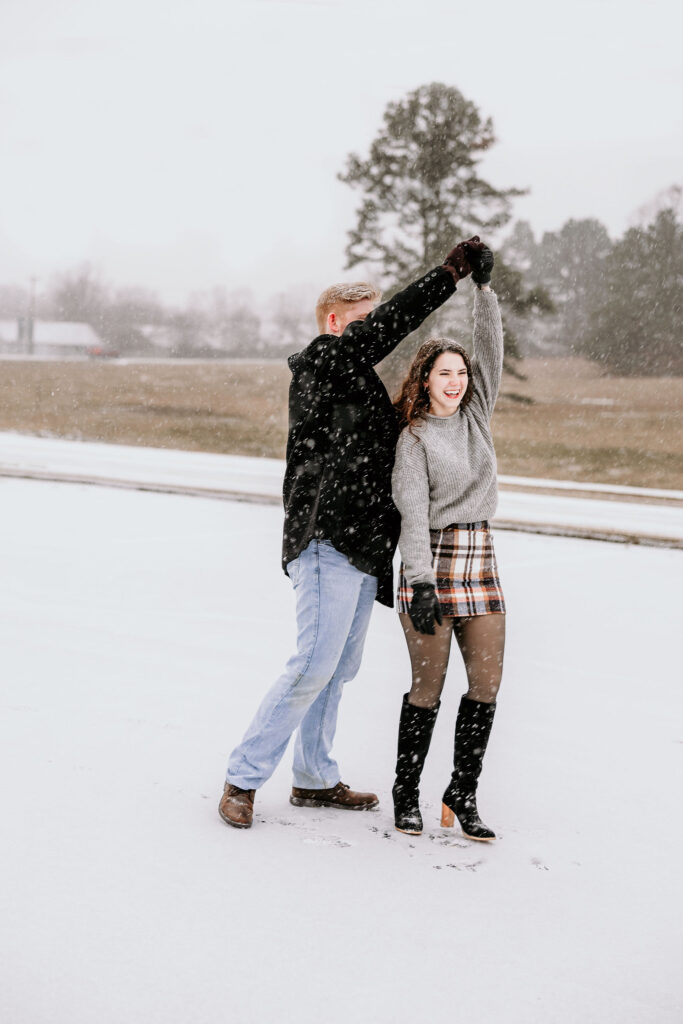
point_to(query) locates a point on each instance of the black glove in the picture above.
(481, 261)
(459, 260)
(425, 609)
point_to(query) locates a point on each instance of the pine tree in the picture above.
(422, 193)
(634, 325)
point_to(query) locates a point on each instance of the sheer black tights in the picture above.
(481, 639)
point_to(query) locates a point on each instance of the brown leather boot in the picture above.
(339, 796)
(237, 806)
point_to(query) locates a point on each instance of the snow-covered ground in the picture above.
(545, 509)
(139, 630)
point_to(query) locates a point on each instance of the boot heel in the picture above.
(447, 817)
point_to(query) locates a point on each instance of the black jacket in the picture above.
(343, 432)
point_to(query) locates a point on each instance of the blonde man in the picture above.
(340, 533)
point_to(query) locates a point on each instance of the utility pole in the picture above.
(31, 316)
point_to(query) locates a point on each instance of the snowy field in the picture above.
(138, 632)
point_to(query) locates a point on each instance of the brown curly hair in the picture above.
(412, 402)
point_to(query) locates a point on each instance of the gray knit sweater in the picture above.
(445, 469)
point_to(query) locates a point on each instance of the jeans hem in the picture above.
(314, 783)
(243, 783)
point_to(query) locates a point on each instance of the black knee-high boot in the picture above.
(414, 736)
(472, 731)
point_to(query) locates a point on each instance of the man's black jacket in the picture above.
(343, 432)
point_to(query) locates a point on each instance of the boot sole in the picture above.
(298, 801)
(235, 824)
(480, 839)
(408, 831)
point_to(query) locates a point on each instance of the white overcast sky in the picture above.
(179, 145)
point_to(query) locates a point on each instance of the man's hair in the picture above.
(343, 295)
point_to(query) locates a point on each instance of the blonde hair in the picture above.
(343, 295)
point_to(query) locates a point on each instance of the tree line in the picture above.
(215, 323)
(616, 302)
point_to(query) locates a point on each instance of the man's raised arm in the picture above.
(372, 339)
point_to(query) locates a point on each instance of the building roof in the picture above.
(60, 333)
(64, 332)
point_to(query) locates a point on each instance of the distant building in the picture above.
(54, 338)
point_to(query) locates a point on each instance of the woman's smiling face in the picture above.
(447, 384)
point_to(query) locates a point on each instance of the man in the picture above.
(340, 533)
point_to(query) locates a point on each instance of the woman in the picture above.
(444, 485)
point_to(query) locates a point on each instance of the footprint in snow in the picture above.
(281, 821)
(382, 832)
(539, 864)
(326, 841)
(447, 841)
(311, 838)
(459, 867)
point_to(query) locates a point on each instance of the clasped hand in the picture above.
(471, 257)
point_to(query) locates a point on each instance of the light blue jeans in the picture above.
(333, 606)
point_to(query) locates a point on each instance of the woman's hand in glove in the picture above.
(425, 609)
(481, 261)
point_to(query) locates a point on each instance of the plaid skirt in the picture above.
(466, 572)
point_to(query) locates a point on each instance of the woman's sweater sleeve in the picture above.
(410, 485)
(487, 366)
